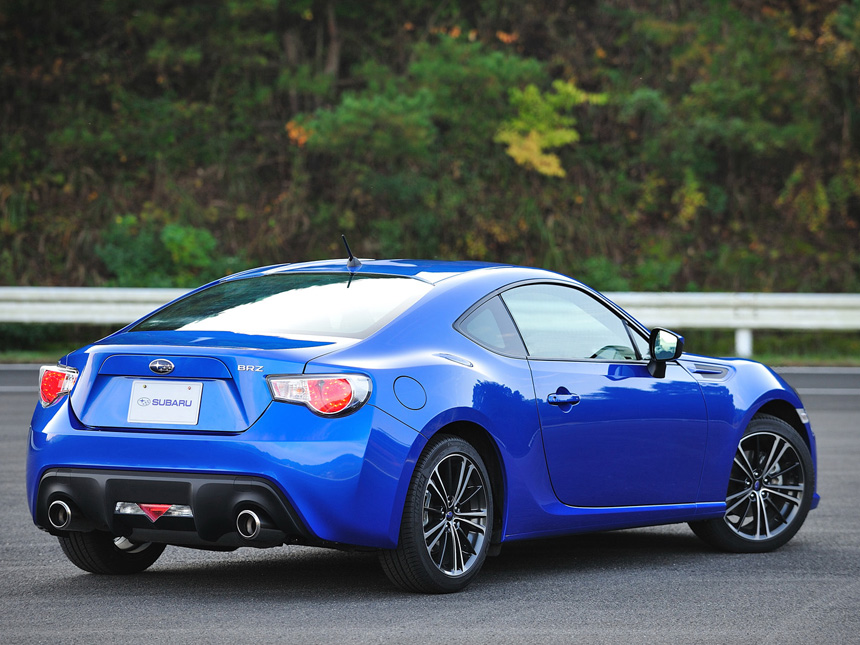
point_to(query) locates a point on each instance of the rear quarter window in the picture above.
(490, 326)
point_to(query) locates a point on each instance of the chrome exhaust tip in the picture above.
(59, 514)
(248, 524)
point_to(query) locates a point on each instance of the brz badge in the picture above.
(161, 366)
(250, 368)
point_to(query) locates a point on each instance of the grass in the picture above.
(47, 356)
(46, 343)
(783, 348)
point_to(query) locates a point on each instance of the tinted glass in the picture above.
(641, 344)
(293, 304)
(559, 322)
(490, 325)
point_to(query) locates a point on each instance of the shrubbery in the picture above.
(637, 145)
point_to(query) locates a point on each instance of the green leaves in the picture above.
(711, 145)
(409, 156)
(388, 129)
(543, 123)
(149, 250)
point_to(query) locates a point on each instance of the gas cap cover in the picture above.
(410, 393)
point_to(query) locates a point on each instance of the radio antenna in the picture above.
(352, 262)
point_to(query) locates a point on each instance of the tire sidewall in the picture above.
(413, 527)
(96, 552)
(775, 426)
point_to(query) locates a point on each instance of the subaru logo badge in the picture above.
(161, 366)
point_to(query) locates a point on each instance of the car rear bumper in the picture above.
(321, 481)
(92, 498)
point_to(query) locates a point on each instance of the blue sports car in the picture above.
(429, 411)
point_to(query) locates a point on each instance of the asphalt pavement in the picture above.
(655, 585)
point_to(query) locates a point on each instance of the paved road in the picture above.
(636, 586)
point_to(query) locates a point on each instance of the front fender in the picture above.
(749, 388)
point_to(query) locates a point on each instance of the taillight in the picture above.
(326, 394)
(54, 382)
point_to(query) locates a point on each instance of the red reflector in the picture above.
(154, 511)
(330, 395)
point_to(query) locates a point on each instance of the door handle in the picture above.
(562, 399)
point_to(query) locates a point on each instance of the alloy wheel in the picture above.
(766, 487)
(455, 514)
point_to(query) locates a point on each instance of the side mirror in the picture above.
(664, 346)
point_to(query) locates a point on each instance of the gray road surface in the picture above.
(657, 585)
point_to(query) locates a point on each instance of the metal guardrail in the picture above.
(742, 312)
(87, 305)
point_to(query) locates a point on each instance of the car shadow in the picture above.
(651, 547)
(296, 573)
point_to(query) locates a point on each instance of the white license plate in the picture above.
(171, 402)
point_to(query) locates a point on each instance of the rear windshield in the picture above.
(293, 304)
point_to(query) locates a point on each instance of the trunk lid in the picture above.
(184, 381)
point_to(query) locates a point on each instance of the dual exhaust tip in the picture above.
(65, 516)
(257, 528)
(60, 515)
(249, 524)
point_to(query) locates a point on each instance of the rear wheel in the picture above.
(447, 521)
(769, 493)
(99, 552)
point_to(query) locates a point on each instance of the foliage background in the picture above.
(635, 144)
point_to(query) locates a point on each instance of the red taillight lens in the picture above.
(54, 382)
(330, 396)
(324, 394)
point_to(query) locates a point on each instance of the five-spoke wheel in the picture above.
(447, 520)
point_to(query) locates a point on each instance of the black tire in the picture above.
(769, 492)
(99, 552)
(451, 500)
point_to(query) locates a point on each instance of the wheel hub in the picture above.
(455, 515)
(772, 487)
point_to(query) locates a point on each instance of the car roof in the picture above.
(431, 271)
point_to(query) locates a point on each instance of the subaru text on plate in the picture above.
(430, 411)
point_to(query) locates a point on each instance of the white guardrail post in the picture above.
(742, 312)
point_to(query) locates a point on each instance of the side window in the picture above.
(641, 345)
(558, 322)
(491, 326)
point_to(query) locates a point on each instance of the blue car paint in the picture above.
(608, 450)
(347, 477)
(732, 403)
(341, 478)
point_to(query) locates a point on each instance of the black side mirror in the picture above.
(664, 346)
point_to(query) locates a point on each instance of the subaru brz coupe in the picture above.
(429, 411)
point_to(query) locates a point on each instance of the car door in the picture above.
(613, 434)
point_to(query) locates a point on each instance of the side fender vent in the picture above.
(710, 372)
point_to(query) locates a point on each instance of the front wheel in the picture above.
(447, 521)
(99, 552)
(769, 493)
